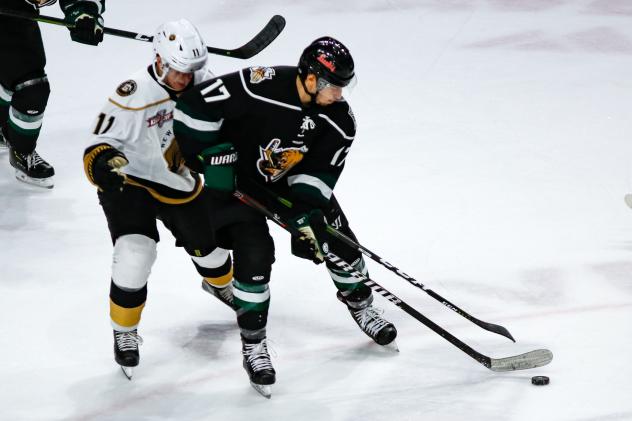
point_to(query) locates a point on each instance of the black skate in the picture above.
(370, 320)
(32, 169)
(258, 365)
(225, 295)
(126, 350)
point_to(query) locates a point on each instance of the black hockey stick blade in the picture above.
(491, 327)
(260, 41)
(525, 361)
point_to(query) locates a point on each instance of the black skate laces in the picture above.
(370, 320)
(33, 160)
(258, 356)
(128, 341)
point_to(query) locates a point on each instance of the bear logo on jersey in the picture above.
(275, 161)
(258, 74)
(126, 88)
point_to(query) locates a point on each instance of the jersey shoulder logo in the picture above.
(275, 161)
(126, 88)
(258, 74)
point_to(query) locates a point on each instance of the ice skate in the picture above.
(258, 366)
(225, 295)
(32, 169)
(371, 322)
(126, 351)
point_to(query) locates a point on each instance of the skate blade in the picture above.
(46, 183)
(391, 346)
(207, 288)
(128, 371)
(264, 390)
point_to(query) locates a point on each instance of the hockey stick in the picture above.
(260, 41)
(532, 359)
(491, 327)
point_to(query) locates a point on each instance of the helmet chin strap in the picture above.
(163, 70)
(312, 97)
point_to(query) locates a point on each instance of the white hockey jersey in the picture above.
(138, 121)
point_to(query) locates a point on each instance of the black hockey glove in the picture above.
(86, 22)
(313, 244)
(106, 170)
(219, 172)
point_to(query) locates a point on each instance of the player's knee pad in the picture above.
(133, 257)
(253, 261)
(29, 100)
(216, 267)
(26, 112)
(5, 95)
(31, 96)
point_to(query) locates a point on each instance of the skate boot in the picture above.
(258, 365)
(225, 294)
(370, 320)
(126, 350)
(32, 169)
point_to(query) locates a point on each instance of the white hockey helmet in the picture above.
(180, 47)
(40, 3)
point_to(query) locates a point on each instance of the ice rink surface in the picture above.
(493, 152)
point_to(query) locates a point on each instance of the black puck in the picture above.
(539, 380)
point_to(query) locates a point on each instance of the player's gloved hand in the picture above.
(106, 170)
(86, 22)
(219, 171)
(313, 244)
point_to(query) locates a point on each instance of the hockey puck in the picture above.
(540, 380)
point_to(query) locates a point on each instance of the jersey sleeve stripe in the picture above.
(335, 126)
(312, 181)
(195, 124)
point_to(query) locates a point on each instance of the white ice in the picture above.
(492, 157)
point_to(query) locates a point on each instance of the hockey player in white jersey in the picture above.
(138, 169)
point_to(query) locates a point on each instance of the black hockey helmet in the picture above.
(329, 59)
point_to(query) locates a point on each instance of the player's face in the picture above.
(328, 95)
(178, 81)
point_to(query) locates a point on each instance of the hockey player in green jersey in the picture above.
(287, 128)
(24, 87)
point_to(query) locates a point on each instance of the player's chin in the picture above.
(325, 101)
(178, 87)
